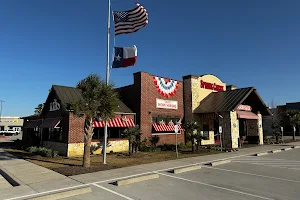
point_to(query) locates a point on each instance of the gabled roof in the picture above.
(230, 99)
(67, 94)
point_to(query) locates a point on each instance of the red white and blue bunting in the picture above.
(166, 87)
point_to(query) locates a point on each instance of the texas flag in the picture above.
(124, 57)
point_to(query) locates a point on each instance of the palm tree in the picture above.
(132, 133)
(38, 110)
(293, 117)
(99, 101)
(191, 130)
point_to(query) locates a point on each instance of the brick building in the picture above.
(57, 127)
(158, 104)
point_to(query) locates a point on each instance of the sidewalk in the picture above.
(163, 166)
(30, 177)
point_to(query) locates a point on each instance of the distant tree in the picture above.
(192, 133)
(132, 133)
(293, 118)
(99, 101)
(38, 110)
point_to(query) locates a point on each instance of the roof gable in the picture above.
(67, 95)
(229, 100)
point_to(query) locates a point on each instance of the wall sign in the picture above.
(166, 87)
(244, 107)
(54, 105)
(211, 86)
(166, 104)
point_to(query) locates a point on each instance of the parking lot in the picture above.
(272, 176)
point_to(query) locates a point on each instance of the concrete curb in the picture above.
(276, 151)
(62, 194)
(296, 147)
(261, 154)
(219, 162)
(186, 169)
(137, 179)
(287, 149)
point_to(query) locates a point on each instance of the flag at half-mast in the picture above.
(130, 21)
(124, 57)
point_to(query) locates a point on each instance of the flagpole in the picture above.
(107, 79)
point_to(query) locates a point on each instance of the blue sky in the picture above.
(245, 43)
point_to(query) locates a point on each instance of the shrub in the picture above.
(48, 153)
(32, 149)
(188, 145)
(142, 145)
(154, 140)
(167, 147)
(54, 153)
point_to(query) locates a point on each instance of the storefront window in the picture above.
(165, 120)
(111, 133)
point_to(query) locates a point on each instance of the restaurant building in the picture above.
(59, 129)
(236, 111)
(158, 104)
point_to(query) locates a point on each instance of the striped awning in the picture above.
(166, 127)
(115, 122)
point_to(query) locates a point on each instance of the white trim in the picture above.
(166, 133)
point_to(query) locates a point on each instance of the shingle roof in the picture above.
(68, 94)
(228, 101)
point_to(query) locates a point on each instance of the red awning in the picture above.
(246, 115)
(116, 122)
(165, 128)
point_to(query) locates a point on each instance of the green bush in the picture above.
(154, 140)
(167, 147)
(54, 153)
(32, 149)
(188, 145)
(43, 151)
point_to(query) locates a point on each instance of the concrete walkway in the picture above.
(28, 178)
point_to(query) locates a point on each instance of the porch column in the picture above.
(234, 130)
(260, 128)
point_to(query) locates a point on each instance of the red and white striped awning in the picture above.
(115, 122)
(165, 127)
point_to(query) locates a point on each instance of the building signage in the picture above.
(211, 86)
(166, 104)
(54, 105)
(244, 107)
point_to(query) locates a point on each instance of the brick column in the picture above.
(260, 129)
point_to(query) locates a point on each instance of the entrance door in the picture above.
(216, 131)
(242, 128)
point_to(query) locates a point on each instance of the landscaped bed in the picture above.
(73, 165)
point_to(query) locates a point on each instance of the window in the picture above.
(206, 130)
(165, 120)
(55, 134)
(111, 133)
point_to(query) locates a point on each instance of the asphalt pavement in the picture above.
(246, 177)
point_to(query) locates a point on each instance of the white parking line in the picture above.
(111, 191)
(258, 175)
(268, 165)
(222, 188)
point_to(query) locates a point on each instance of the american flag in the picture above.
(130, 21)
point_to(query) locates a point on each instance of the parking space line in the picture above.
(267, 165)
(111, 191)
(263, 176)
(222, 188)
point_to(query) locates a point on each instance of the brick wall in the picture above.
(141, 98)
(148, 97)
(76, 129)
